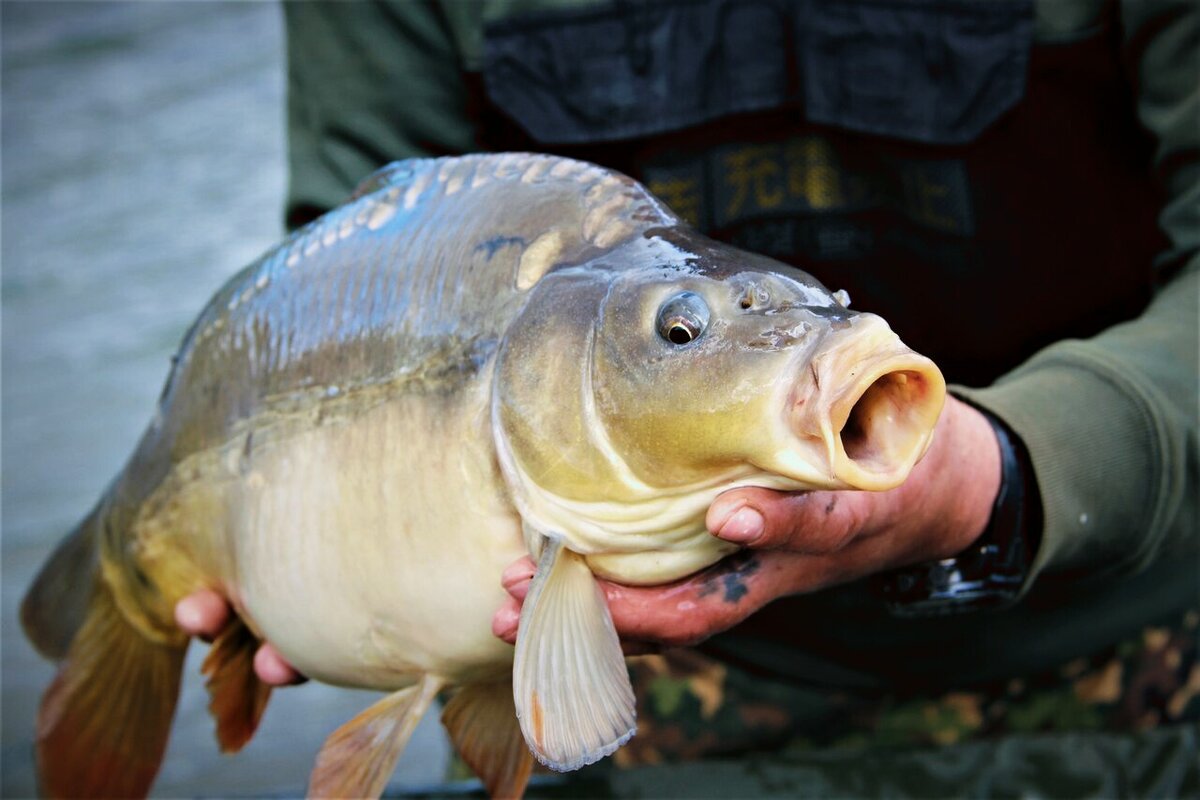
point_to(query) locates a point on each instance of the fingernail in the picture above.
(721, 510)
(743, 527)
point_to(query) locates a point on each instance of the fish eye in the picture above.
(683, 318)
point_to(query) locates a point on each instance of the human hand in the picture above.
(802, 542)
(205, 613)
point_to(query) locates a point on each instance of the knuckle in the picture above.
(830, 532)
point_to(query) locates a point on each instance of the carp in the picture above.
(471, 360)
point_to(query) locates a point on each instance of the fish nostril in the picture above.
(754, 297)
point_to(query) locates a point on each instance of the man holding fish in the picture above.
(978, 174)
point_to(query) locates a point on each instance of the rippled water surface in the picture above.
(142, 165)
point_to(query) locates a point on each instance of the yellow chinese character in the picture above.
(928, 198)
(813, 173)
(680, 195)
(753, 172)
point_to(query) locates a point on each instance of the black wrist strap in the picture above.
(990, 573)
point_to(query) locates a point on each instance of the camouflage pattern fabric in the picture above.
(691, 706)
(1137, 705)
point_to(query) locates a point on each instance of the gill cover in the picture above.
(542, 405)
(569, 480)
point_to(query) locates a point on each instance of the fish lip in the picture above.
(869, 417)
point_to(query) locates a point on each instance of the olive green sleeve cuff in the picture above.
(1110, 424)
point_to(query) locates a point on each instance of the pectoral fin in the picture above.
(482, 723)
(237, 698)
(570, 683)
(358, 758)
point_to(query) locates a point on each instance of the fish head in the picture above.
(635, 388)
(724, 361)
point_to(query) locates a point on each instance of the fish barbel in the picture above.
(473, 359)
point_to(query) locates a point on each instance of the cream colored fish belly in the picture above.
(365, 571)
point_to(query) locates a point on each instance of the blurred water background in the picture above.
(142, 158)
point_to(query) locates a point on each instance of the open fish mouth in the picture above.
(880, 435)
(871, 405)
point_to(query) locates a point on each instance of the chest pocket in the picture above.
(938, 72)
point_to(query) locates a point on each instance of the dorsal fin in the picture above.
(393, 174)
(604, 189)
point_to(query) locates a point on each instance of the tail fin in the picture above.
(55, 606)
(103, 724)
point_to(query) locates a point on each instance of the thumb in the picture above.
(805, 522)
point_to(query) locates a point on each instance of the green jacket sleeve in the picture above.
(370, 83)
(1111, 423)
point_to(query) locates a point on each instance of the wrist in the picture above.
(992, 569)
(974, 465)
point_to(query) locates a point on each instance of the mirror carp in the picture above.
(473, 359)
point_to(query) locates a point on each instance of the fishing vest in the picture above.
(985, 195)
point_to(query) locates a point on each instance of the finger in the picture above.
(504, 621)
(202, 613)
(272, 669)
(707, 603)
(803, 522)
(516, 577)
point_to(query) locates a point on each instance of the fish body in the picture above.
(471, 360)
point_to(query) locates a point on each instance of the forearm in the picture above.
(1111, 428)
(1111, 422)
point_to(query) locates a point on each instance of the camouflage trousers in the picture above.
(691, 706)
